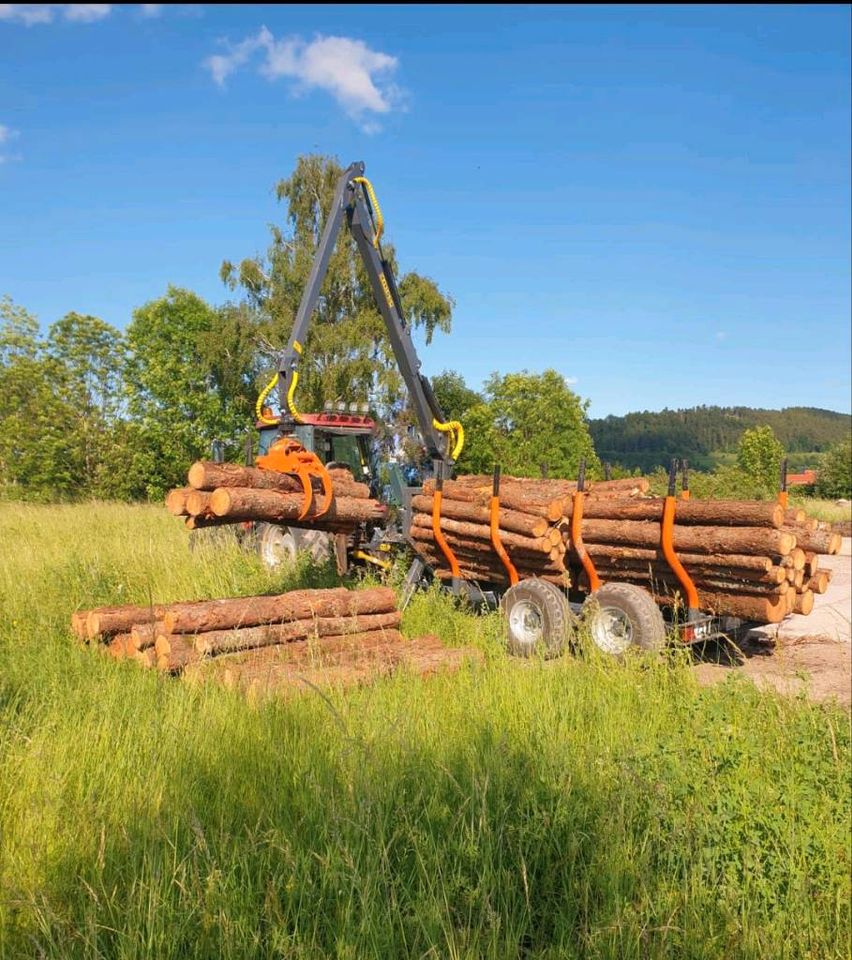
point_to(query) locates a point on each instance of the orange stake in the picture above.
(496, 542)
(667, 543)
(440, 539)
(577, 541)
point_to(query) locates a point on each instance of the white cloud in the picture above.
(721, 335)
(150, 10)
(31, 14)
(7, 134)
(87, 12)
(356, 76)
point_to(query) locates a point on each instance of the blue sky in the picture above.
(653, 200)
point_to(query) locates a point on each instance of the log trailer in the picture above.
(538, 613)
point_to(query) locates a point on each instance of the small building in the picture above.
(807, 478)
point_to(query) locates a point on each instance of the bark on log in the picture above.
(143, 635)
(819, 582)
(490, 563)
(511, 520)
(117, 646)
(815, 541)
(201, 523)
(217, 642)
(709, 513)
(760, 541)
(722, 570)
(738, 561)
(176, 501)
(481, 548)
(522, 500)
(442, 573)
(421, 528)
(719, 584)
(794, 515)
(107, 621)
(208, 475)
(249, 503)
(297, 605)
(811, 564)
(795, 559)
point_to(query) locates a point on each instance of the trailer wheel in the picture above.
(537, 616)
(621, 616)
(279, 547)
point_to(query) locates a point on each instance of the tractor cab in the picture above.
(336, 437)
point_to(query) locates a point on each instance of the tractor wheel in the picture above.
(622, 616)
(538, 618)
(279, 547)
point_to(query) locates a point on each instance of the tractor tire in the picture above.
(538, 618)
(623, 616)
(279, 547)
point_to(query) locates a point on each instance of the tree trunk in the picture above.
(250, 504)
(774, 575)
(107, 621)
(818, 583)
(816, 541)
(520, 499)
(176, 501)
(794, 515)
(198, 504)
(804, 603)
(760, 541)
(719, 583)
(296, 605)
(207, 475)
(217, 642)
(511, 520)
(143, 635)
(709, 513)
(421, 528)
(603, 552)
(117, 647)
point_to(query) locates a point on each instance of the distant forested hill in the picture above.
(707, 436)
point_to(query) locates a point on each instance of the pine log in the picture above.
(442, 573)
(198, 503)
(722, 570)
(510, 520)
(795, 559)
(720, 583)
(107, 621)
(421, 528)
(816, 541)
(478, 548)
(489, 563)
(78, 624)
(738, 561)
(143, 635)
(249, 503)
(218, 642)
(709, 513)
(521, 499)
(811, 563)
(201, 523)
(804, 603)
(176, 501)
(296, 605)
(208, 475)
(117, 646)
(176, 653)
(760, 541)
(819, 582)
(794, 515)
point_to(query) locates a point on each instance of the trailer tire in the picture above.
(621, 616)
(279, 546)
(538, 618)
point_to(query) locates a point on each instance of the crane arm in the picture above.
(352, 202)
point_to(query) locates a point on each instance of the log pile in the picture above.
(225, 493)
(173, 636)
(748, 559)
(529, 514)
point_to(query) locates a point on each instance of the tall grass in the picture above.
(576, 809)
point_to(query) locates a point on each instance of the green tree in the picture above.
(85, 357)
(759, 454)
(454, 396)
(528, 421)
(347, 355)
(835, 472)
(178, 398)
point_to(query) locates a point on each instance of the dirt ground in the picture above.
(812, 654)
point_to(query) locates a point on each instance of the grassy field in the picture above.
(577, 809)
(828, 510)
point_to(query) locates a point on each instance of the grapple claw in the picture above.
(289, 456)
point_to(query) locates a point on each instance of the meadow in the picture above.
(582, 808)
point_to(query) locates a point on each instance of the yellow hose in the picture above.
(456, 432)
(377, 210)
(291, 406)
(264, 393)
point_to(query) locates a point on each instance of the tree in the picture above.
(180, 396)
(529, 421)
(835, 473)
(347, 355)
(454, 396)
(760, 454)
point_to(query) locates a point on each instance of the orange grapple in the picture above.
(289, 456)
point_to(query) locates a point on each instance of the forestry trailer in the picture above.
(538, 613)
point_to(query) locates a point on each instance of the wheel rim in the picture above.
(612, 630)
(526, 623)
(278, 548)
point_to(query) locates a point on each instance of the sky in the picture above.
(654, 201)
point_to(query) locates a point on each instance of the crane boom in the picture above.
(351, 203)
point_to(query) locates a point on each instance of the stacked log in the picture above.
(747, 559)
(172, 636)
(528, 525)
(226, 493)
